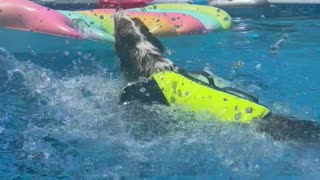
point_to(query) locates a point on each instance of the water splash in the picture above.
(73, 126)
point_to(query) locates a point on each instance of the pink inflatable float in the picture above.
(123, 3)
(162, 20)
(31, 25)
(135, 3)
(26, 15)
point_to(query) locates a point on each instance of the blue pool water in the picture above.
(60, 117)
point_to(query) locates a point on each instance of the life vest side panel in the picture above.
(198, 98)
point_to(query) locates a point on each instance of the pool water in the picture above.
(60, 117)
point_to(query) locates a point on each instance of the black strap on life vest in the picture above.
(146, 91)
(211, 84)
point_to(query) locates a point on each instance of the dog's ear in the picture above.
(146, 32)
(156, 42)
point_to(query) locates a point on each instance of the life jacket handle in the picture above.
(209, 77)
(203, 73)
(240, 93)
(230, 90)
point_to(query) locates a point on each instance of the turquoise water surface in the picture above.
(60, 117)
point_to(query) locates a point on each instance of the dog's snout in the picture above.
(119, 9)
(119, 14)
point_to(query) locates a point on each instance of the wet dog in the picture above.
(141, 54)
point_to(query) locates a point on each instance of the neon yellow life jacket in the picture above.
(200, 98)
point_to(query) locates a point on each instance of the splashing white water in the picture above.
(80, 130)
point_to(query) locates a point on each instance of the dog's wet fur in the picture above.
(141, 55)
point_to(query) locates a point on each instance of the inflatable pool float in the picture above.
(269, 8)
(289, 8)
(69, 4)
(236, 8)
(243, 8)
(137, 3)
(97, 24)
(92, 4)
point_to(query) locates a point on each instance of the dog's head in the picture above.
(133, 31)
(140, 53)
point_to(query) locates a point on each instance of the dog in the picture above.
(140, 45)
(141, 55)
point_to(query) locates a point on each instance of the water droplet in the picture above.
(238, 116)
(238, 64)
(258, 66)
(249, 110)
(125, 103)
(66, 53)
(170, 52)
(142, 90)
